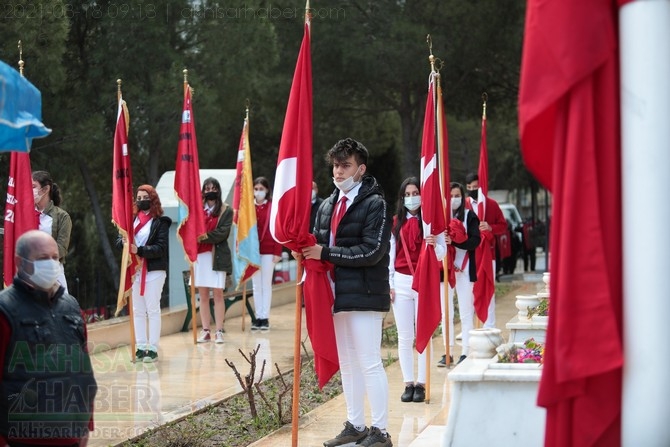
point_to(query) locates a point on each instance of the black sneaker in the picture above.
(443, 361)
(419, 393)
(139, 355)
(376, 439)
(408, 395)
(150, 356)
(256, 325)
(265, 325)
(347, 436)
(460, 360)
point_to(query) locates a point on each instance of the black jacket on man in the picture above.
(361, 250)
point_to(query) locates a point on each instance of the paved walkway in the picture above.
(133, 398)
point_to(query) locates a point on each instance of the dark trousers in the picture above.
(529, 257)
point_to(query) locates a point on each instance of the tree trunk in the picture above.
(99, 222)
(410, 138)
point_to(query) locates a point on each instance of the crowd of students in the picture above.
(374, 252)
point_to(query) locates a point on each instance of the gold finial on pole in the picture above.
(185, 76)
(308, 14)
(21, 63)
(485, 98)
(247, 106)
(431, 57)
(118, 89)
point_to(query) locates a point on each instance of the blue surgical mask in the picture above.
(412, 203)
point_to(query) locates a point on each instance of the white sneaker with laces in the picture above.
(205, 336)
(218, 337)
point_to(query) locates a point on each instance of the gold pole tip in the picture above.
(118, 82)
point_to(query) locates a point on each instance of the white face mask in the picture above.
(260, 195)
(455, 203)
(36, 194)
(313, 195)
(412, 203)
(347, 184)
(45, 273)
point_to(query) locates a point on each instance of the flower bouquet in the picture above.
(530, 352)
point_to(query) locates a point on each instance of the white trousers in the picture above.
(359, 337)
(147, 309)
(262, 282)
(466, 306)
(405, 308)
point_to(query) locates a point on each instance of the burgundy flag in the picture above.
(427, 277)
(20, 213)
(570, 134)
(187, 182)
(123, 198)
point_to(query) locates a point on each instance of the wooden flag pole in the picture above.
(446, 191)
(194, 320)
(244, 303)
(447, 318)
(429, 353)
(119, 299)
(296, 356)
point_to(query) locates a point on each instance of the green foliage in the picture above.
(370, 71)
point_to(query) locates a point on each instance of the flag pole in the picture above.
(244, 303)
(298, 329)
(479, 323)
(191, 272)
(445, 191)
(125, 254)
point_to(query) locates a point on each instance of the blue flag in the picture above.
(20, 111)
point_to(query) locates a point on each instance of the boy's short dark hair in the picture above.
(344, 149)
(471, 177)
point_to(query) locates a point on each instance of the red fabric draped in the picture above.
(570, 134)
(485, 284)
(319, 302)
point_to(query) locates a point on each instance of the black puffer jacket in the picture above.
(361, 250)
(156, 249)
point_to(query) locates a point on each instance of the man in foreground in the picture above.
(48, 389)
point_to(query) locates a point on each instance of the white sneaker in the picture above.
(218, 337)
(205, 336)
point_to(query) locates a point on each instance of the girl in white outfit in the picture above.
(406, 244)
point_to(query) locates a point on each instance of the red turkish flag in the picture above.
(570, 135)
(504, 242)
(289, 216)
(290, 212)
(20, 213)
(123, 197)
(427, 276)
(187, 183)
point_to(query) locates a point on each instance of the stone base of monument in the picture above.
(494, 404)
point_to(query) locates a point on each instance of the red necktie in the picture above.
(337, 216)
